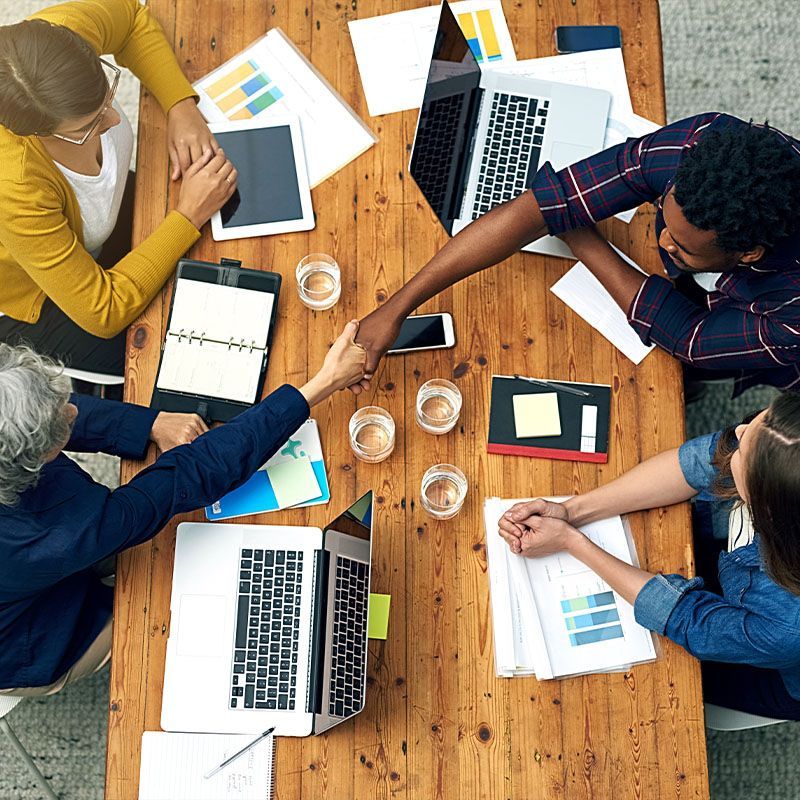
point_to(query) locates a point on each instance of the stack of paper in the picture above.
(393, 51)
(272, 77)
(295, 476)
(588, 298)
(554, 617)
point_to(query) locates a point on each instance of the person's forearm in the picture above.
(620, 279)
(488, 240)
(654, 483)
(316, 390)
(625, 579)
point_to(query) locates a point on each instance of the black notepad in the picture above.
(219, 332)
(584, 421)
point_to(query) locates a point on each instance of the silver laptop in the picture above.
(482, 135)
(268, 626)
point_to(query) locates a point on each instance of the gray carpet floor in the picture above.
(718, 55)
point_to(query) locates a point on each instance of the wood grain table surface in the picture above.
(438, 723)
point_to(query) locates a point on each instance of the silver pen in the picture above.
(553, 385)
(241, 752)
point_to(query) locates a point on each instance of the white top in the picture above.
(100, 196)
(707, 280)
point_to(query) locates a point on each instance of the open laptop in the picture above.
(482, 135)
(269, 626)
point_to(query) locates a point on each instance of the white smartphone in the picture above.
(425, 332)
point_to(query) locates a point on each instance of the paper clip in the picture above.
(202, 337)
(241, 344)
(230, 342)
(180, 335)
(191, 335)
(252, 344)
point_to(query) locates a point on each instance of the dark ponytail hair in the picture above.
(772, 475)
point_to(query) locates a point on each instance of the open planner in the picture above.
(553, 616)
(219, 331)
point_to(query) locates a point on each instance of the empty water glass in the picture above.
(438, 406)
(443, 491)
(319, 281)
(372, 434)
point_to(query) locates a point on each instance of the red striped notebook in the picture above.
(584, 421)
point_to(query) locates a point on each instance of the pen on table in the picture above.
(241, 752)
(553, 385)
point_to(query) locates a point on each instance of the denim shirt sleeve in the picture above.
(695, 458)
(711, 628)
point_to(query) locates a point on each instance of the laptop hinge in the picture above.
(319, 615)
(470, 152)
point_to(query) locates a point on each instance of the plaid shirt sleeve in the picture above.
(720, 337)
(620, 178)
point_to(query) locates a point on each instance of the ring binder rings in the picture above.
(237, 309)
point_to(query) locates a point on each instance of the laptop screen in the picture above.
(446, 121)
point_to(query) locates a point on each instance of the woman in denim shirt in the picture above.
(744, 624)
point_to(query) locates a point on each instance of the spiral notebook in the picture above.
(216, 348)
(174, 765)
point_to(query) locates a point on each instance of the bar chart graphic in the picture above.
(244, 92)
(590, 618)
(478, 27)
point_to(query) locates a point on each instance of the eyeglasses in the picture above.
(112, 74)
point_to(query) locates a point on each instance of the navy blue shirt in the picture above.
(753, 622)
(52, 606)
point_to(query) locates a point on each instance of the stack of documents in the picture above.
(552, 616)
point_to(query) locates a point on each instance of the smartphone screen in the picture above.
(420, 331)
(579, 38)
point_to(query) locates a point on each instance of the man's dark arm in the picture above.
(489, 240)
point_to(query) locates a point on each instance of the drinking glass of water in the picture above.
(372, 434)
(443, 491)
(319, 281)
(438, 406)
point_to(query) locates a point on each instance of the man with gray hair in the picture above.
(57, 523)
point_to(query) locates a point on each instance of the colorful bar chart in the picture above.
(594, 620)
(244, 92)
(259, 104)
(478, 27)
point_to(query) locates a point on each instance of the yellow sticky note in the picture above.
(536, 415)
(378, 616)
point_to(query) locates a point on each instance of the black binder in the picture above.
(227, 273)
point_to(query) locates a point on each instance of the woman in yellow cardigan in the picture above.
(65, 150)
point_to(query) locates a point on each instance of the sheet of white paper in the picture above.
(272, 77)
(581, 626)
(174, 764)
(210, 369)
(588, 298)
(221, 313)
(393, 51)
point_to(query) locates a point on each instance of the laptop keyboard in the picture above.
(513, 145)
(433, 154)
(349, 640)
(267, 640)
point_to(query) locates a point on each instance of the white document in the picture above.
(272, 77)
(222, 313)
(174, 764)
(393, 51)
(555, 617)
(588, 298)
(595, 69)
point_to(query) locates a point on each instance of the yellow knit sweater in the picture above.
(41, 235)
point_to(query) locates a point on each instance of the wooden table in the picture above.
(438, 723)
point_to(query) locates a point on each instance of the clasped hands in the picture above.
(538, 528)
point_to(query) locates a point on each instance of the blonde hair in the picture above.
(48, 74)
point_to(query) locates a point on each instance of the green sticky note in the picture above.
(378, 615)
(294, 482)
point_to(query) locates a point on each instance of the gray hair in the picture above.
(34, 392)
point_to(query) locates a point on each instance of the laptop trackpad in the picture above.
(562, 154)
(201, 624)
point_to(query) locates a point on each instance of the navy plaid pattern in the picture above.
(750, 324)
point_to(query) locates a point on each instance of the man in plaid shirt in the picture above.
(728, 223)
